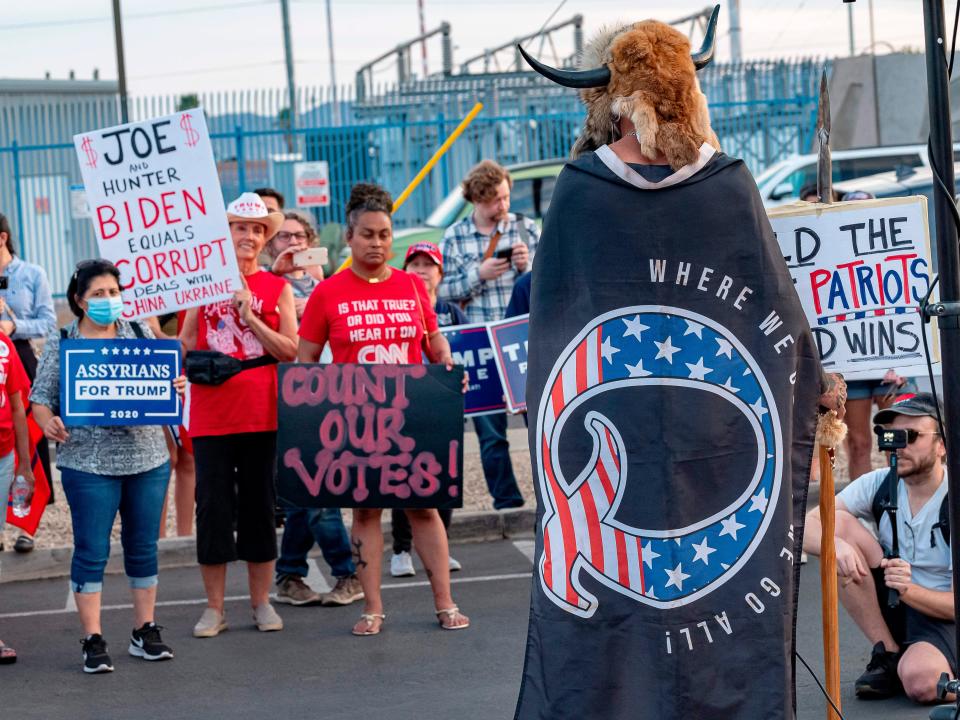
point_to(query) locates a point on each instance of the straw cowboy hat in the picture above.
(250, 208)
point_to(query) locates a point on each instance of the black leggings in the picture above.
(235, 488)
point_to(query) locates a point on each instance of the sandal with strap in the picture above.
(451, 614)
(370, 619)
(8, 655)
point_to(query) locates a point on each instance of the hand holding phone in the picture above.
(504, 253)
(310, 257)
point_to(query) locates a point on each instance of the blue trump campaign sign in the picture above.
(119, 382)
(509, 341)
(470, 347)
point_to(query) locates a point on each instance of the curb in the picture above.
(46, 563)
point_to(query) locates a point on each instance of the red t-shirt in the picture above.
(13, 379)
(247, 402)
(370, 323)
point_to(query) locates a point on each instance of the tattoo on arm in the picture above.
(357, 554)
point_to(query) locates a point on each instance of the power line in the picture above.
(135, 16)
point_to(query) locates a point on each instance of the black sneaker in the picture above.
(95, 658)
(880, 679)
(146, 643)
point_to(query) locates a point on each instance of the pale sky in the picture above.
(182, 46)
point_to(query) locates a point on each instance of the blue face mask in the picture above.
(105, 311)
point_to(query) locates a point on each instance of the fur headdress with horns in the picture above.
(646, 72)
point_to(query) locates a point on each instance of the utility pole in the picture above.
(333, 71)
(873, 39)
(736, 47)
(121, 65)
(423, 43)
(288, 55)
(853, 48)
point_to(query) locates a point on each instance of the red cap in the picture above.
(427, 248)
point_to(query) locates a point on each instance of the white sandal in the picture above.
(369, 619)
(451, 613)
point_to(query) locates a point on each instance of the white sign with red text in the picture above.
(312, 182)
(861, 270)
(158, 212)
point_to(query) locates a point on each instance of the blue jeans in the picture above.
(94, 501)
(302, 528)
(495, 458)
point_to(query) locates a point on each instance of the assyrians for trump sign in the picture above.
(158, 212)
(119, 382)
(861, 270)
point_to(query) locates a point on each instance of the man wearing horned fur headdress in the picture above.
(673, 388)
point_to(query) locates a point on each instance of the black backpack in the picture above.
(882, 497)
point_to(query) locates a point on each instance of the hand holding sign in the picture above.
(242, 301)
(55, 430)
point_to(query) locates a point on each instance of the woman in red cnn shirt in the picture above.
(351, 311)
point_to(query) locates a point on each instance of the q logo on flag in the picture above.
(638, 347)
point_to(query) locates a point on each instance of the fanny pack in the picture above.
(212, 367)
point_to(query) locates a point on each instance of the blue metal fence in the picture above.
(761, 112)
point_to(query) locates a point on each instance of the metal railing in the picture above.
(761, 111)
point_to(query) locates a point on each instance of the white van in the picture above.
(781, 182)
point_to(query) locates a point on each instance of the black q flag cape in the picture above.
(673, 387)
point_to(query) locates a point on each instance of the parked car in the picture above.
(781, 182)
(532, 189)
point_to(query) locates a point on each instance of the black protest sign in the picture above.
(375, 436)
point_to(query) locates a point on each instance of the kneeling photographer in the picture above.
(898, 590)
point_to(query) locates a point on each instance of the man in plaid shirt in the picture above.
(484, 254)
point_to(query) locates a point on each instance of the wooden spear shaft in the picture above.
(828, 581)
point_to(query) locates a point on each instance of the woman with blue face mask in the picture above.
(105, 470)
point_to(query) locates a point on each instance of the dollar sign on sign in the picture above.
(193, 137)
(87, 147)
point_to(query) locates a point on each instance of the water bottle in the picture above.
(19, 492)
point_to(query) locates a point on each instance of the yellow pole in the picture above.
(424, 171)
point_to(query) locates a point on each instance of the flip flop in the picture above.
(451, 613)
(369, 619)
(8, 655)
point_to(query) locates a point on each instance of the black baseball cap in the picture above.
(913, 406)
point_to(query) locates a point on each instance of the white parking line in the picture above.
(315, 579)
(238, 598)
(526, 547)
(71, 600)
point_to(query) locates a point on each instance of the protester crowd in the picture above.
(223, 457)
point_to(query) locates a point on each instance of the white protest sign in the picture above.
(312, 183)
(158, 212)
(861, 270)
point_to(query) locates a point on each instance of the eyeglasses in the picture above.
(912, 435)
(283, 235)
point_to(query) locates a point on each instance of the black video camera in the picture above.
(890, 440)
